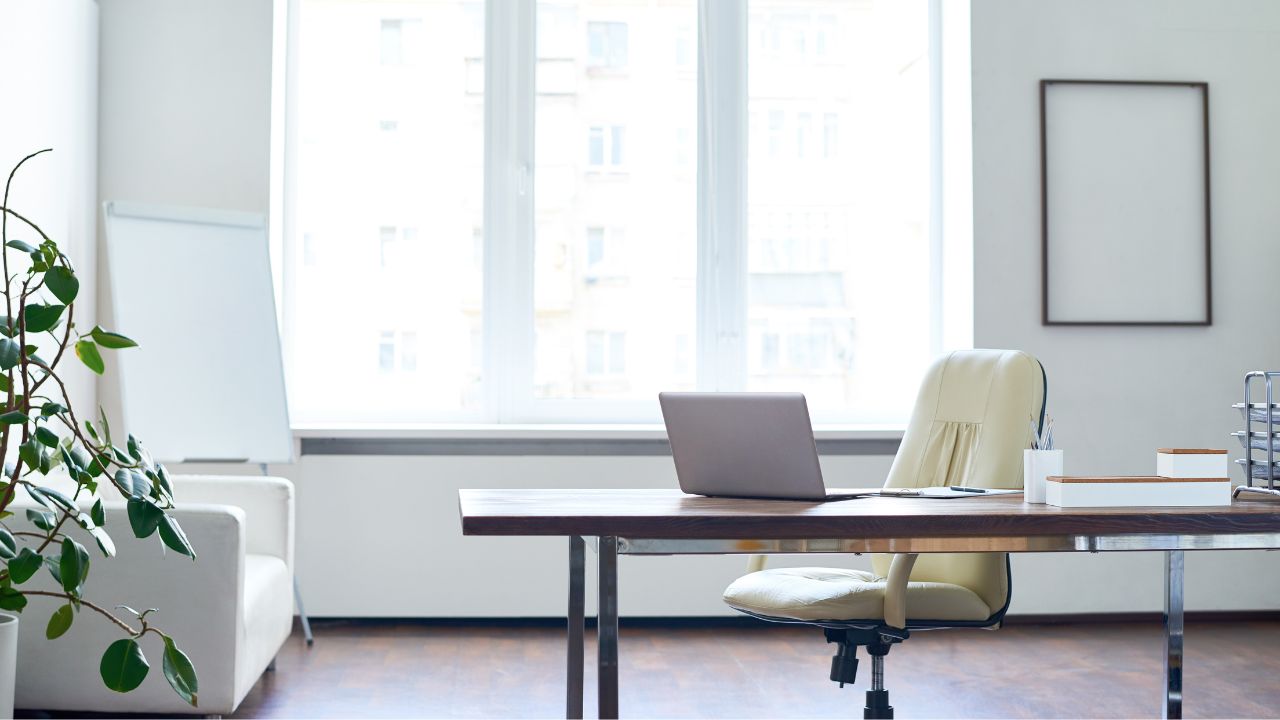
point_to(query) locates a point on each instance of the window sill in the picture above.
(559, 440)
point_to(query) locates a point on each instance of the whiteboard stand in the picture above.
(194, 288)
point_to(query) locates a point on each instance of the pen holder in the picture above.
(1036, 466)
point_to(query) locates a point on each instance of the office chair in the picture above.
(969, 427)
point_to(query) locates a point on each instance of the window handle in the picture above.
(522, 179)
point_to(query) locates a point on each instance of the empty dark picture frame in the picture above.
(1168, 186)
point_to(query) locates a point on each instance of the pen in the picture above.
(966, 489)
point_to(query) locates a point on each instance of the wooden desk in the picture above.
(667, 522)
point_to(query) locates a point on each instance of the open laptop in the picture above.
(754, 445)
(760, 445)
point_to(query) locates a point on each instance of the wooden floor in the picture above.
(681, 670)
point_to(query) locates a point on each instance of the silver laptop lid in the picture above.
(743, 444)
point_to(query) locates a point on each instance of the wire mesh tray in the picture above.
(1263, 471)
(1258, 412)
(1259, 440)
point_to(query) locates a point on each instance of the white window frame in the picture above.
(720, 351)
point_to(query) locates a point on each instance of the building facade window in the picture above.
(607, 45)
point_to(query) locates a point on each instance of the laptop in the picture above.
(749, 445)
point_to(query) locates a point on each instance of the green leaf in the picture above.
(42, 519)
(135, 450)
(59, 499)
(106, 427)
(133, 483)
(52, 408)
(13, 417)
(19, 245)
(10, 354)
(25, 565)
(47, 436)
(97, 514)
(105, 543)
(11, 599)
(38, 318)
(73, 568)
(110, 340)
(172, 535)
(144, 517)
(98, 532)
(8, 545)
(89, 355)
(29, 453)
(60, 622)
(62, 282)
(52, 564)
(123, 666)
(180, 673)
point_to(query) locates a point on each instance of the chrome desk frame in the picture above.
(608, 548)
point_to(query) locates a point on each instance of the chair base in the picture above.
(877, 705)
(844, 665)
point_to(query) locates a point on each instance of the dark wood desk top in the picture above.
(670, 514)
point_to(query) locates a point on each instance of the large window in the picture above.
(552, 211)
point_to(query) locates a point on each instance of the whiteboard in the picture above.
(193, 288)
(1126, 202)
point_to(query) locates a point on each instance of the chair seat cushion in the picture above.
(838, 594)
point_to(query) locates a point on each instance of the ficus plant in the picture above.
(40, 435)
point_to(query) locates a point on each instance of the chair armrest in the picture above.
(267, 503)
(895, 591)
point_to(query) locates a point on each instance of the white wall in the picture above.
(380, 536)
(185, 113)
(50, 100)
(1119, 393)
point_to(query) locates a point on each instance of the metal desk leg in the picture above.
(302, 614)
(1173, 628)
(577, 598)
(607, 628)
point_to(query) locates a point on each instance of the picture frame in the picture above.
(1126, 229)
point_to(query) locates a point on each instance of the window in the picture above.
(400, 41)
(397, 351)
(607, 45)
(830, 135)
(605, 143)
(595, 246)
(606, 353)
(567, 225)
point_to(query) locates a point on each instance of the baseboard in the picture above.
(731, 621)
(1142, 617)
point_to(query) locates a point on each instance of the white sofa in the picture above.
(231, 610)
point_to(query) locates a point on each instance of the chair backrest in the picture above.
(969, 427)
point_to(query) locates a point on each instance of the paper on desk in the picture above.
(942, 493)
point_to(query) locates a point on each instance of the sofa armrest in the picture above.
(267, 503)
(200, 603)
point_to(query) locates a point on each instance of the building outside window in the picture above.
(607, 45)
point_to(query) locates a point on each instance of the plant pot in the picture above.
(8, 662)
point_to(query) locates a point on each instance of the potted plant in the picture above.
(40, 435)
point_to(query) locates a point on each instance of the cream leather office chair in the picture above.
(969, 427)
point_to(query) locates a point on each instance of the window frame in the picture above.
(719, 347)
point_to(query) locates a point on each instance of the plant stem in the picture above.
(107, 614)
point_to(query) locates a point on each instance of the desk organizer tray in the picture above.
(1139, 491)
(1258, 412)
(1259, 440)
(1261, 470)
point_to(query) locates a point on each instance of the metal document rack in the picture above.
(1260, 437)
